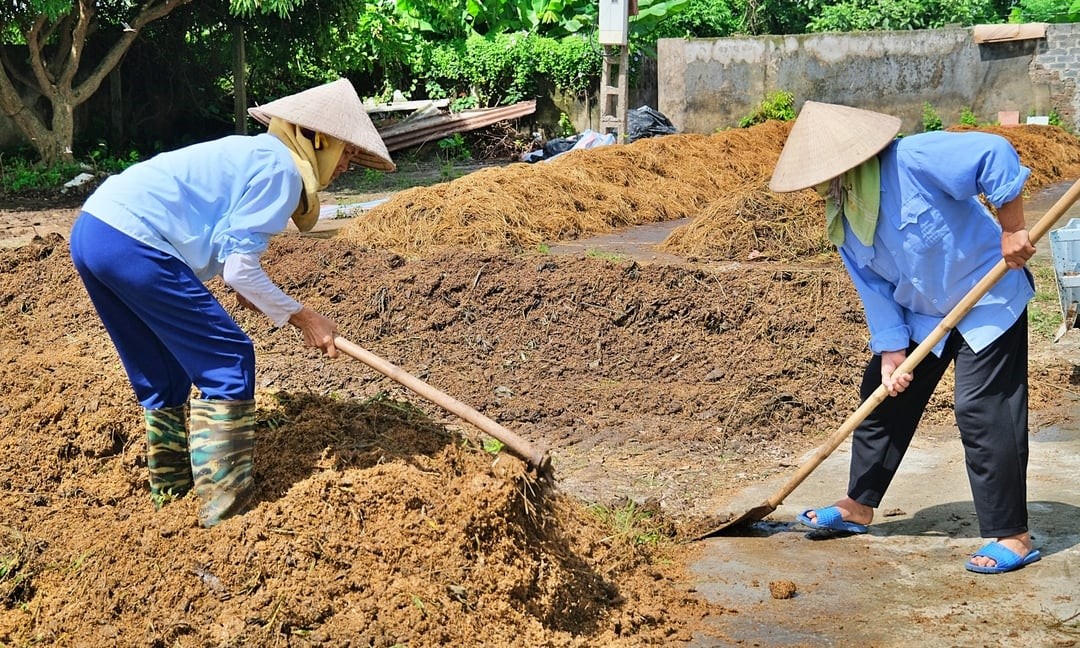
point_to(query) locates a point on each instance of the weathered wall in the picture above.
(707, 84)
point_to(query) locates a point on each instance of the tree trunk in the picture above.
(116, 109)
(239, 78)
(55, 77)
(62, 133)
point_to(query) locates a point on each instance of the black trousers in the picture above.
(991, 412)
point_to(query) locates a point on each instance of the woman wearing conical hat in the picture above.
(149, 237)
(907, 219)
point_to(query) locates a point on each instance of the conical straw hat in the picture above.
(826, 141)
(336, 110)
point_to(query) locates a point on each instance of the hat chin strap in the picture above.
(315, 161)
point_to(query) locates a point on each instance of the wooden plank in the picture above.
(400, 106)
(1002, 33)
(435, 127)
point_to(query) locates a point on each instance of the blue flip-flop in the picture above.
(1005, 559)
(830, 519)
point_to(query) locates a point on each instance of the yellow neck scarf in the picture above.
(856, 197)
(316, 162)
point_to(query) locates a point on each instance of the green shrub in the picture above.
(566, 127)
(17, 174)
(778, 105)
(967, 117)
(930, 119)
(455, 148)
(505, 68)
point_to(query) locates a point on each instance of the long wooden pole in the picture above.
(534, 456)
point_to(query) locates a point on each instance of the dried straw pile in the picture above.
(751, 222)
(721, 180)
(1051, 152)
(577, 194)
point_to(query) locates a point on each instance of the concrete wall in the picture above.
(709, 84)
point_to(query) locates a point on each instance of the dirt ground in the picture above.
(662, 386)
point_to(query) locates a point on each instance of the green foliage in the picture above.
(463, 103)
(778, 105)
(775, 16)
(1054, 118)
(101, 160)
(570, 64)
(1052, 11)
(930, 119)
(455, 19)
(493, 446)
(281, 8)
(455, 148)
(566, 127)
(364, 40)
(967, 117)
(18, 174)
(867, 15)
(699, 19)
(651, 15)
(505, 68)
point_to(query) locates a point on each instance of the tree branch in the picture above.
(149, 13)
(13, 106)
(37, 66)
(77, 43)
(63, 46)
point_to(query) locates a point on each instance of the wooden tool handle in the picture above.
(518, 446)
(1044, 225)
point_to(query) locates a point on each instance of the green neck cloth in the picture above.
(855, 196)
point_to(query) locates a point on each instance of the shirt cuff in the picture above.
(892, 339)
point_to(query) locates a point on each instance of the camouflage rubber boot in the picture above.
(167, 454)
(222, 446)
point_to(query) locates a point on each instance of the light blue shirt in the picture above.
(204, 202)
(934, 240)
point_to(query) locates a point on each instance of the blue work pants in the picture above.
(170, 331)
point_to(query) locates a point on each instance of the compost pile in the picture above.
(380, 519)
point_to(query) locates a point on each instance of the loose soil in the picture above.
(662, 390)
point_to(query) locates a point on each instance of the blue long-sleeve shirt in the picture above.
(204, 202)
(935, 240)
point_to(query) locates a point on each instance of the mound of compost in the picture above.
(381, 520)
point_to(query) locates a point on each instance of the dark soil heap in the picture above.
(374, 525)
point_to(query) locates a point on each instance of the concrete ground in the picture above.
(903, 584)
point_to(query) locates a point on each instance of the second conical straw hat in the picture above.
(334, 109)
(827, 140)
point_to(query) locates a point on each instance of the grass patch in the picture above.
(408, 175)
(1044, 310)
(17, 566)
(629, 522)
(606, 256)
